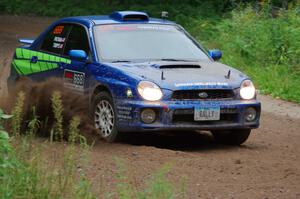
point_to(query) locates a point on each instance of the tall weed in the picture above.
(57, 108)
(17, 112)
(34, 124)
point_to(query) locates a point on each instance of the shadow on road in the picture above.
(184, 141)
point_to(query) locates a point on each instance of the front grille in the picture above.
(186, 116)
(203, 94)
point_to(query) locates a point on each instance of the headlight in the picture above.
(149, 91)
(247, 90)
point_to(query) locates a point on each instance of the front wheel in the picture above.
(231, 137)
(104, 116)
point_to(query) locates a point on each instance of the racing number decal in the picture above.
(58, 30)
(78, 79)
(74, 79)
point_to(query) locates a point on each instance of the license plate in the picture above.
(207, 113)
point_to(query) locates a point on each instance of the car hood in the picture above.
(185, 75)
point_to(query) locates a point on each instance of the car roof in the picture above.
(118, 17)
(113, 19)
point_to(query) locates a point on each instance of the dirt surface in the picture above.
(266, 166)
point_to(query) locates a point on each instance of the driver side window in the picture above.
(77, 40)
(55, 40)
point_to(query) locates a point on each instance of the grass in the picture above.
(35, 168)
(157, 187)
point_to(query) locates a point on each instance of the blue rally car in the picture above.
(142, 74)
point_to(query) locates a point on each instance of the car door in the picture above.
(75, 73)
(44, 61)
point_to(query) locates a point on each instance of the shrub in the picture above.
(264, 47)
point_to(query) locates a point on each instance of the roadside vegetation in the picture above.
(44, 168)
(265, 47)
(261, 38)
(27, 171)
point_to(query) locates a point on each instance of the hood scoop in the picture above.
(179, 66)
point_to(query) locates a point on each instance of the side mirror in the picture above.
(215, 54)
(78, 54)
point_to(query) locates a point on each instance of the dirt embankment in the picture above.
(266, 166)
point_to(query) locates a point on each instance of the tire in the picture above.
(104, 116)
(231, 137)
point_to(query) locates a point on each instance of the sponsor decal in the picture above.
(203, 95)
(74, 80)
(159, 27)
(59, 39)
(23, 66)
(133, 27)
(58, 45)
(117, 28)
(202, 84)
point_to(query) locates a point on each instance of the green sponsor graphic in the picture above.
(45, 61)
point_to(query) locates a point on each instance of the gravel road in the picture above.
(266, 166)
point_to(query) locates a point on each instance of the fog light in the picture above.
(250, 114)
(148, 116)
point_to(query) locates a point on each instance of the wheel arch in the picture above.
(100, 88)
(93, 92)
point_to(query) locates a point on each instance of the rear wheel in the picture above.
(104, 116)
(231, 137)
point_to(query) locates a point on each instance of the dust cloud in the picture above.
(38, 95)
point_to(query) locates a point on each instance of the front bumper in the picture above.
(179, 115)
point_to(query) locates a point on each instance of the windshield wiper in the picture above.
(164, 59)
(120, 61)
(170, 59)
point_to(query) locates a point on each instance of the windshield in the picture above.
(145, 42)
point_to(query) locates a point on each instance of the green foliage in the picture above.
(5, 148)
(3, 116)
(39, 176)
(264, 47)
(93, 7)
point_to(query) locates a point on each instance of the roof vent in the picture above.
(129, 16)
